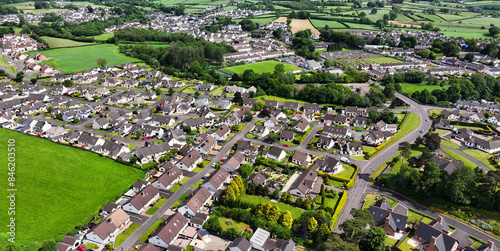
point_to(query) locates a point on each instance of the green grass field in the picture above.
(481, 156)
(59, 187)
(449, 144)
(347, 173)
(459, 158)
(75, 59)
(296, 212)
(104, 36)
(54, 42)
(411, 88)
(322, 23)
(226, 224)
(267, 66)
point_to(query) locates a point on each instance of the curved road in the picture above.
(356, 194)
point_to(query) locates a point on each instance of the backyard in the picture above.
(296, 212)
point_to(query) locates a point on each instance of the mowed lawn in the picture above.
(59, 187)
(77, 59)
(267, 66)
(296, 212)
(411, 88)
(54, 42)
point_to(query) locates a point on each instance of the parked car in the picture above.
(345, 160)
(286, 145)
(421, 131)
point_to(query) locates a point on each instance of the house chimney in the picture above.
(433, 240)
(491, 244)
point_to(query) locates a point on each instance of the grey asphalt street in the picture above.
(226, 148)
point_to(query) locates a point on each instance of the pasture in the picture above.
(59, 187)
(54, 42)
(267, 66)
(75, 59)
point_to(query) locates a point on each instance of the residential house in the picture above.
(311, 107)
(475, 117)
(68, 243)
(221, 133)
(287, 136)
(109, 227)
(170, 232)
(189, 161)
(260, 241)
(275, 153)
(142, 200)
(450, 115)
(246, 147)
(233, 163)
(355, 148)
(495, 120)
(257, 178)
(441, 123)
(324, 141)
(301, 158)
(196, 202)
(240, 244)
(336, 132)
(327, 164)
(294, 106)
(206, 145)
(304, 184)
(260, 131)
(271, 122)
(216, 181)
(435, 236)
(168, 179)
(392, 220)
(301, 125)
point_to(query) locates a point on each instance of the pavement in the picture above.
(357, 193)
(226, 148)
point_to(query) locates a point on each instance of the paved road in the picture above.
(226, 148)
(356, 194)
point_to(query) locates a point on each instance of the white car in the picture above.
(421, 131)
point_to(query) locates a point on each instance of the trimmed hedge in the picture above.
(338, 208)
(353, 177)
(350, 182)
(381, 146)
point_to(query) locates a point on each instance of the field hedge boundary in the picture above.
(350, 182)
(338, 208)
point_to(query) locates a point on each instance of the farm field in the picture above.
(75, 59)
(302, 24)
(54, 42)
(68, 188)
(322, 23)
(104, 36)
(267, 66)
